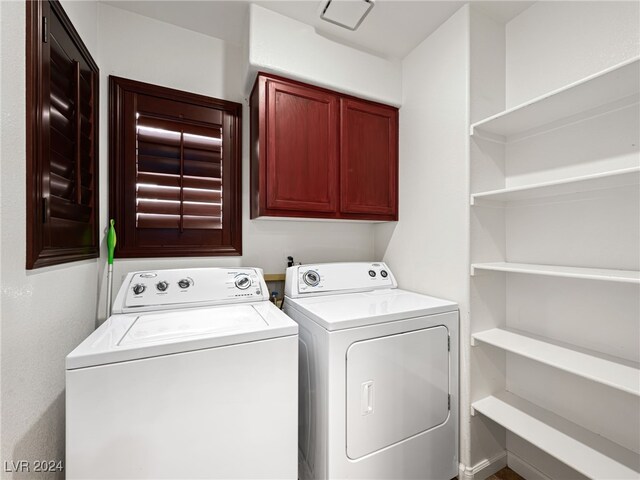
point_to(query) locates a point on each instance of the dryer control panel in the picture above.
(155, 289)
(318, 279)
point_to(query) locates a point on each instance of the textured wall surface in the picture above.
(45, 312)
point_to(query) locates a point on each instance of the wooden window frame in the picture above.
(38, 254)
(127, 245)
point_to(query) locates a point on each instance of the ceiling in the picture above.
(391, 30)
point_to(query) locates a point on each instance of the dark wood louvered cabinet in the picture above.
(316, 153)
(175, 166)
(62, 140)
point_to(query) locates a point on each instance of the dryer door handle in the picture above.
(366, 398)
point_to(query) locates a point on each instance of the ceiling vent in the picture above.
(346, 13)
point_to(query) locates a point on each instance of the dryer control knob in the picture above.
(184, 283)
(243, 282)
(162, 286)
(138, 288)
(311, 278)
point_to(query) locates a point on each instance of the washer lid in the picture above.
(132, 337)
(336, 312)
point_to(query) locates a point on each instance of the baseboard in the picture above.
(524, 468)
(483, 469)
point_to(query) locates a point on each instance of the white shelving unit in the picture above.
(610, 371)
(559, 177)
(605, 88)
(585, 183)
(602, 274)
(586, 452)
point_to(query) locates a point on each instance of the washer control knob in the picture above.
(311, 278)
(243, 282)
(383, 273)
(162, 286)
(184, 283)
(372, 273)
(139, 288)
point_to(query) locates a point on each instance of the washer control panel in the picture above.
(337, 277)
(190, 287)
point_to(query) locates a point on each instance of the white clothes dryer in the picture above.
(194, 376)
(378, 375)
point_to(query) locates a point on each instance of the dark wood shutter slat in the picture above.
(59, 59)
(60, 100)
(158, 150)
(61, 186)
(174, 208)
(62, 80)
(61, 166)
(168, 165)
(59, 119)
(61, 144)
(196, 142)
(163, 150)
(167, 180)
(173, 222)
(189, 126)
(170, 145)
(190, 195)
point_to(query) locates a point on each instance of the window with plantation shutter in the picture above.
(62, 143)
(175, 172)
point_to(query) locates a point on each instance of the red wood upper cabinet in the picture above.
(302, 148)
(368, 158)
(318, 154)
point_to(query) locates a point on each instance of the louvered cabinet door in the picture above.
(178, 171)
(62, 146)
(175, 172)
(71, 153)
(369, 159)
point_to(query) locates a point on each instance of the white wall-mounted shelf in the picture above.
(583, 450)
(602, 274)
(607, 370)
(607, 87)
(597, 181)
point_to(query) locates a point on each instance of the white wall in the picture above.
(281, 45)
(428, 248)
(552, 44)
(45, 312)
(152, 51)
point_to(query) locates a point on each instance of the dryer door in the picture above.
(397, 387)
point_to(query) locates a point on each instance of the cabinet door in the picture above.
(369, 158)
(302, 148)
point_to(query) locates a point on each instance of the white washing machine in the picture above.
(194, 376)
(378, 377)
